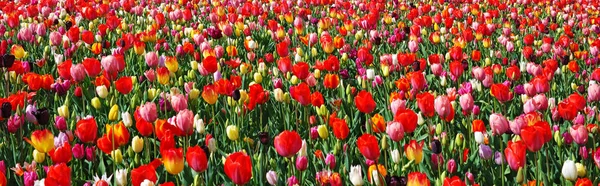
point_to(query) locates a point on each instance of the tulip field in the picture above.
(299, 92)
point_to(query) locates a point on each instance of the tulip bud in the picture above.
(520, 175)
(384, 143)
(152, 93)
(63, 111)
(294, 80)
(323, 131)
(257, 77)
(38, 157)
(96, 103)
(117, 156)
(137, 144)
(459, 139)
(439, 128)
(558, 138)
(580, 170)
(232, 132)
(126, 117)
(113, 114)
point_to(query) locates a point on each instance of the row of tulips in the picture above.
(315, 92)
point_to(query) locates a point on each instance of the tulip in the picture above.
(417, 179)
(368, 146)
(569, 170)
(395, 131)
(42, 140)
(197, 159)
(137, 144)
(96, 103)
(148, 112)
(102, 91)
(443, 107)
(238, 167)
(579, 134)
(395, 154)
(330, 160)
(485, 151)
(173, 160)
(272, 177)
(414, 151)
(185, 121)
(356, 175)
(78, 151)
(498, 123)
(580, 169)
(232, 132)
(121, 177)
(113, 114)
(117, 156)
(126, 117)
(38, 157)
(323, 131)
(287, 143)
(301, 163)
(515, 155)
(179, 102)
(364, 102)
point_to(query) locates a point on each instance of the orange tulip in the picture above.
(417, 179)
(209, 94)
(120, 132)
(414, 151)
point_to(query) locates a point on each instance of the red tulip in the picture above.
(454, 181)
(417, 80)
(317, 99)
(368, 146)
(426, 101)
(417, 179)
(143, 127)
(64, 69)
(145, 172)
(210, 64)
(105, 144)
(566, 110)
(238, 167)
(513, 73)
(301, 70)
(301, 93)
(408, 119)
(257, 96)
(61, 154)
(87, 37)
(58, 174)
(364, 56)
(339, 127)
(364, 102)
(583, 182)
(124, 85)
(332, 64)
(456, 69)
(92, 66)
(284, 64)
(196, 159)
(282, 49)
(87, 130)
(577, 101)
(501, 92)
(287, 143)
(515, 154)
(536, 135)
(172, 159)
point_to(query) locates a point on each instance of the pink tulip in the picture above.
(542, 101)
(442, 106)
(178, 102)
(148, 112)
(529, 89)
(579, 134)
(478, 73)
(151, 59)
(593, 92)
(219, 51)
(437, 69)
(301, 163)
(517, 124)
(529, 106)
(78, 72)
(498, 123)
(466, 103)
(55, 38)
(413, 46)
(185, 121)
(397, 104)
(110, 63)
(150, 75)
(395, 131)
